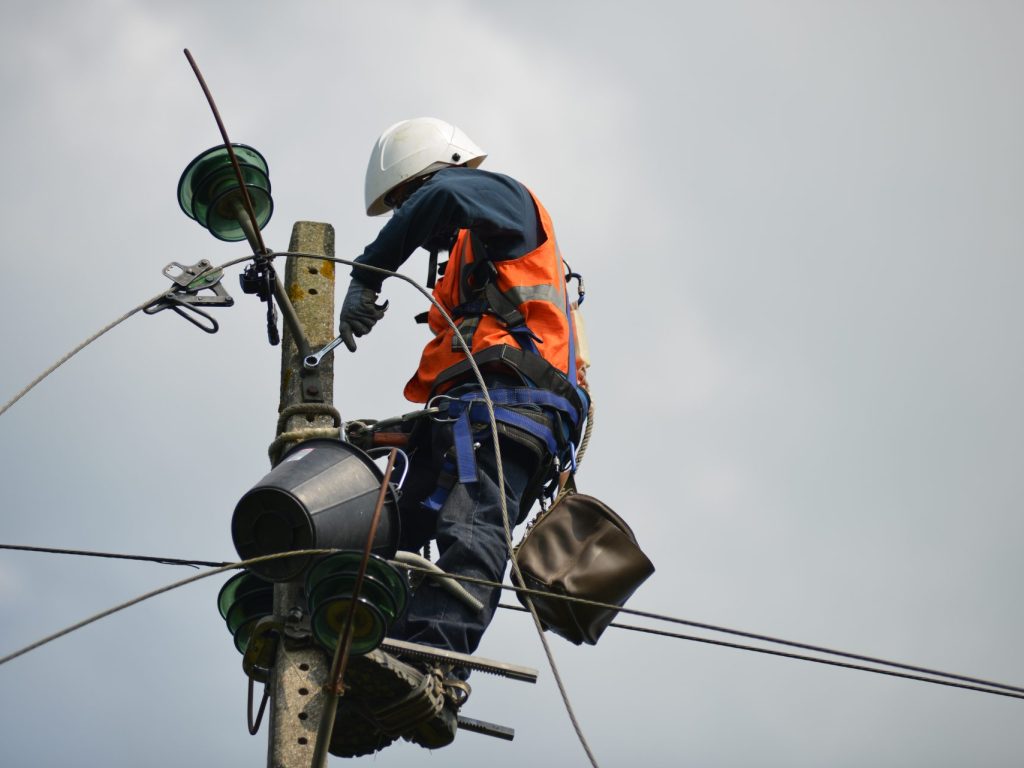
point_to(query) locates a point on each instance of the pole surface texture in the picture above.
(301, 669)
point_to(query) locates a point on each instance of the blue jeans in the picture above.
(470, 535)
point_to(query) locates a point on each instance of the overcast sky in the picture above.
(801, 229)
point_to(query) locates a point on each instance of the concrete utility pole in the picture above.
(301, 668)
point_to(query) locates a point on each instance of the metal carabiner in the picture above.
(437, 409)
(405, 462)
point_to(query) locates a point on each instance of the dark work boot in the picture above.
(439, 730)
(391, 695)
(355, 733)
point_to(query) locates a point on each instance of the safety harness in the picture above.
(544, 414)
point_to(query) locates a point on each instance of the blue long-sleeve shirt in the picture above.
(497, 208)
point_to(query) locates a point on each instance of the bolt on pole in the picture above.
(300, 672)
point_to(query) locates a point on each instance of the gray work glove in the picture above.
(359, 313)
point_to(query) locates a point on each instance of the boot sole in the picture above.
(395, 696)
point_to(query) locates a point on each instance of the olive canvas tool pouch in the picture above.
(580, 548)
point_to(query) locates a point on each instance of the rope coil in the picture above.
(305, 433)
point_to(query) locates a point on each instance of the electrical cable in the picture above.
(109, 327)
(116, 556)
(800, 657)
(723, 630)
(982, 685)
(146, 596)
(246, 200)
(646, 614)
(528, 593)
(32, 384)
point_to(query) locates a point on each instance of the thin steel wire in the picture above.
(109, 327)
(723, 630)
(801, 657)
(146, 596)
(983, 686)
(32, 384)
(115, 556)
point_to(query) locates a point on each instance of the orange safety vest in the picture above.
(534, 283)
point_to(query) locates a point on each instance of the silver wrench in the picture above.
(313, 360)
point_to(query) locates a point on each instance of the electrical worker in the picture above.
(506, 288)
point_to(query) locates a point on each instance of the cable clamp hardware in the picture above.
(258, 278)
(185, 297)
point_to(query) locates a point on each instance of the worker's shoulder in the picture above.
(458, 177)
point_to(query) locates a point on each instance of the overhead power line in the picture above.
(923, 674)
(146, 596)
(31, 385)
(995, 688)
(116, 556)
(926, 675)
(731, 631)
(109, 327)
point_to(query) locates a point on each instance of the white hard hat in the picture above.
(414, 148)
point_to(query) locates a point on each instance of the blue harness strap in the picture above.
(445, 482)
(526, 338)
(471, 408)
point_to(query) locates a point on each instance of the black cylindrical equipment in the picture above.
(320, 496)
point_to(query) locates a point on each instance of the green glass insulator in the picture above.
(210, 193)
(368, 625)
(239, 585)
(348, 563)
(343, 585)
(254, 605)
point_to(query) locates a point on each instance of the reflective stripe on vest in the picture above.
(534, 283)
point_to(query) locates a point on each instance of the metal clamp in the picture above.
(184, 298)
(261, 653)
(260, 279)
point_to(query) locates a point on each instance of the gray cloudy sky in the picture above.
(801, 229)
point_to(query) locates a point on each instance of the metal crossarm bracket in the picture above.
(188, 282)
(406, 649)
(409, 650)
(485, 728)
